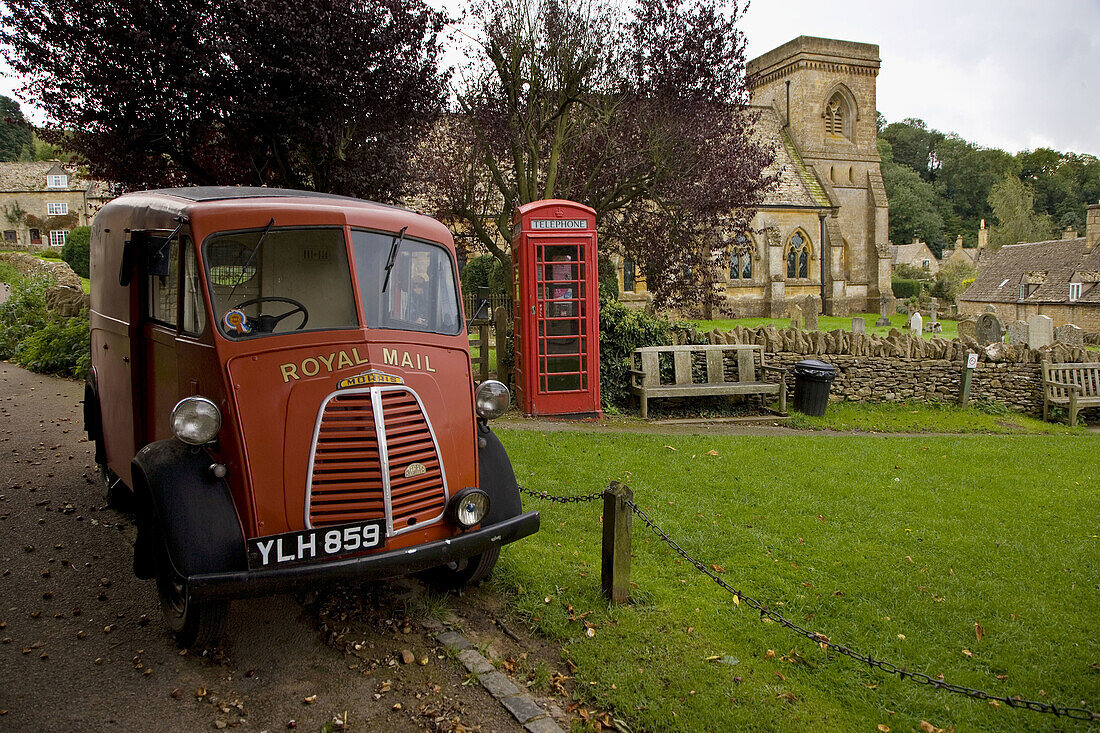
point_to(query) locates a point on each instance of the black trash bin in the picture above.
(812, 379)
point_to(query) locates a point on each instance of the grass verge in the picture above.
(893, 546)
(925, 417)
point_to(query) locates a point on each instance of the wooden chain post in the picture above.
(617, 522)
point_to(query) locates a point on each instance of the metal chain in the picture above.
(825, 642)
(562, 499)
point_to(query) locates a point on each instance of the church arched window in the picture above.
(798, 256)
(838, 115)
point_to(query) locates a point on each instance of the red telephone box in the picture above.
(557, 318)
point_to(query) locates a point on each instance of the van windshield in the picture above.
(280, 281)
(420, 293)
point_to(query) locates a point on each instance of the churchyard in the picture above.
(969, 556)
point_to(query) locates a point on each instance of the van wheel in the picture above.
(463, 572)
(196, 624)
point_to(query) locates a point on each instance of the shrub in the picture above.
(907, 288)
(39, 340)
(484, 271)
(621, 331)
(75, 251)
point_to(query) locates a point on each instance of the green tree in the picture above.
(15, 131)
(966, 176)
(914, 145)
(952, 279)
(1013, 204)
(913, 203)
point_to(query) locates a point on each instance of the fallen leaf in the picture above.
(590, 631)
(736, 600)
(968, 653)
(309, 700)
(883, 728)
(670, 447)
(978, 630)
(718, 568)
(910, 559)
(769, 654)
(712, 452)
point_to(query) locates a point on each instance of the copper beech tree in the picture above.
(330, 95)
(638, 113)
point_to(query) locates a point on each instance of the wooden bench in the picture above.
(646, 381)
(1072, 385)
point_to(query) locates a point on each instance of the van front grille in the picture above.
(347, 482)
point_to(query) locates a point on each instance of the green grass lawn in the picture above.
(927, 417)
(829, 323)
(895, 546)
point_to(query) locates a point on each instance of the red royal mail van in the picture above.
(281, 389)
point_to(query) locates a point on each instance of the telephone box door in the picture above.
(557, 313)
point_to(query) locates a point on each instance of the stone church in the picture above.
(822, 230)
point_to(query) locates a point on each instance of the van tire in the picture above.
(459, 574)
(119, 496)
(196, 625)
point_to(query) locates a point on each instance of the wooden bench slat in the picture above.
(681, 367)
(716, 370)
(652, 369)
(1059, 381)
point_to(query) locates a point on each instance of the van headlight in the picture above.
(468, 507)
(491, 399)
(196, 420)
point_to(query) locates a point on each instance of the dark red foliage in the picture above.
(317, 94)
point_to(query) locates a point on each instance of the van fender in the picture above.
(497, 478)
(182, 504)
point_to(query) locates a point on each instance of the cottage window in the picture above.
(57, 181)
(60, 209)
(36, 236)
(1074, 291)
(926, 264)
(9, 235)
(798, 257)
(58, 236)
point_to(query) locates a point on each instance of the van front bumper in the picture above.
(404, 561)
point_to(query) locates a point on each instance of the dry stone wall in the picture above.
(902, 367)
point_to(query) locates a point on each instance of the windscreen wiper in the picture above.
(393, 256)
(255, 251)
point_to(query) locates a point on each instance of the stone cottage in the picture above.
(41, 201)
(1059, 278)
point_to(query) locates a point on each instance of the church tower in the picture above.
(823, 92)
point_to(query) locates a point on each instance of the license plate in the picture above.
(322, 543)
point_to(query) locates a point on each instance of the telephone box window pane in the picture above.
(302, 274)
(421, 293)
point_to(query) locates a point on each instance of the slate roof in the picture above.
(31, 176)
(911, 254)
(796, 185)
(1048, 267)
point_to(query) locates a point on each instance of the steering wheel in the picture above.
(267, 324)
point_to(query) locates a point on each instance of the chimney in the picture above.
(983, 236)
(959, 242)
(1069, 233)
(1092, 226)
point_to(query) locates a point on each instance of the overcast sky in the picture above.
(1010, 74)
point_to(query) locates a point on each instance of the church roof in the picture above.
(1047, 268)
(796, 185)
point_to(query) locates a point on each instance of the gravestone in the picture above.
(1040, 331)
(810, 311)
(885, 303)
(1017, 332)
(795, 312)
(917, 323)
(1070, 335)
(990, 330)
(968, 327)
(858, 325)
(991, 308)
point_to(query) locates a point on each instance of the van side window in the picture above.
(164, 290)
(194, 315)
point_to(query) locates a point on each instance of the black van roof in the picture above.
(220, 193)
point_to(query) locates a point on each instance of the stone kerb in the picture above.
(901, 366)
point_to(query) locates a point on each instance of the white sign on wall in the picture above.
(972, 361)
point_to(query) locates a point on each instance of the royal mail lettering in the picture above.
(406, 359)
(313, 365)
